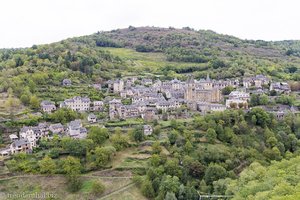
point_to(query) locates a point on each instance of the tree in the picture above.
(262, 117)
(12, 104)
(181, 193)
(173, 124)
(213, 173)
(147, 189)
(98, 135)
(34, 102)
(64, 115)
(72, 168)
(119, 141)
(74, 182)
(191, 193)
(272, 154)
(25, 99)
(155, 160)
(98, 188)
(71, 165)
(188, 147)
(233, 105)
(156, 148)
(203, 187)
(170, 196)
(76, 147)
(138, 134)
(169, 184)
(103, 155)
(172, 137)
(172, 168)
(211, 135)
(47, 165)
(196, 169)
(227, 90)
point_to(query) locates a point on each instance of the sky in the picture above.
(27, 22)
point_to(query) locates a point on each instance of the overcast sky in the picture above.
(27, 22)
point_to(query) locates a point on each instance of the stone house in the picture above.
(257, 81)
(47, 106)
(280, 87)
(239, 95)
(92, 118)
(98, 105)
(75, 130)
(31, 134)
(77, 103)
(205, 107)
(56, 128)
(149, 114)
(66, 82)
(22, 145)
(147, 81)
(13, 137)
(147, 130)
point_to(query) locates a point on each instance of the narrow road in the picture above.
(117, 191)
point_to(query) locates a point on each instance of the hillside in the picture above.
(112, 115)
(259, 182)
(181, 50)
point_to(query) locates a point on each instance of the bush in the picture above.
(98, 188)
(74, 183)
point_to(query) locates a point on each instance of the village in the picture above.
(150, 100)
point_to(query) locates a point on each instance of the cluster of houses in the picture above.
(30, 135)
(150, 97)
(81, 104)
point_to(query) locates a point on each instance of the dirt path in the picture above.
(117, 191)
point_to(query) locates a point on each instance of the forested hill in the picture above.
(164, 51)
(188, 45)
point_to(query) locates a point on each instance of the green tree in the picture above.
(72, 168)
(211, 135)
(47, 165)
(98, 188)
(188, 147)
(170, 196)
(227, 90)
(34, 102)
(98, 135)
(213, 173)
(72, 165)
(119, 141)
(103, 155)
(169, 184)
(25, 99)
(147, 189)
(172, 137)
(156, 148)
(138, 134)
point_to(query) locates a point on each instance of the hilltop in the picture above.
(169, 50)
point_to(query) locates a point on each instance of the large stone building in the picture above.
(201, 91)
(77, 103)
(238, 99)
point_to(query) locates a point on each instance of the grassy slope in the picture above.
(142, 62)
(57, 185)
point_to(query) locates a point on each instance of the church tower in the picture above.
(207, 77)
(189, 92)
